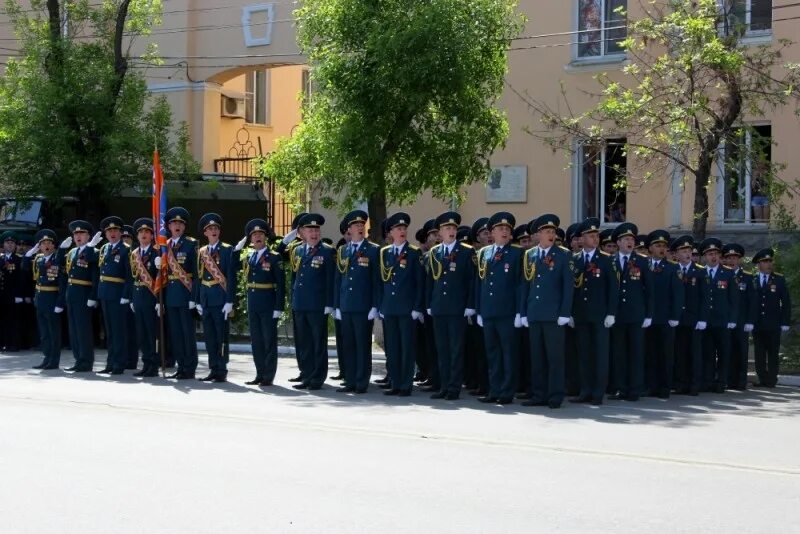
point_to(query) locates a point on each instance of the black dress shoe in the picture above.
(451, 396)
(439, 395)
(523, 396)
(346, 389)
(300, 386)
(488, 400)
(140, 373)
(208, 378)
(392, 392)
(186, 376)
(632, 398)
(580, 400)
(220, 379)
(385, 386)
(49, 367)
(105, 371)
(531, 402)
(265, 383)
(131, 367)
(382, 380)
(554, 405)
(617, 396)
(337, 377)
(314, 387)
(597, 402)
(253, 382)
(83, 370)
(117, 372)
(150, 373)
(296, 379)
(404, 393)
(176, 374)
(505, 400)
(430, 388)
(73, 368)
(479, 392)
(361, 391)
(41, 366)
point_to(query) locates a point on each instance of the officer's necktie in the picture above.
(713, 272)
(624, 262)
(685, 270)
(541, 254)
(586, 258)
(763, 280)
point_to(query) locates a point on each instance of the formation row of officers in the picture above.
(507, 311)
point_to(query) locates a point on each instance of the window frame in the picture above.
(251, 81)
(579, 160)
(749, 35)
(604, 56)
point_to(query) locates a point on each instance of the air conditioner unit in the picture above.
(233, 107)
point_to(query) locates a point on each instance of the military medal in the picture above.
(452, 266)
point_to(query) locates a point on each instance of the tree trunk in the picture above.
(701, 179)
(376, 206)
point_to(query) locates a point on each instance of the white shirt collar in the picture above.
(546, 251)
(356, 244)
(589, 252)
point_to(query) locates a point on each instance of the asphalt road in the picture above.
(90, 454)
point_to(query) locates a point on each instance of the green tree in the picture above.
(75, 114)
(403, 102)
(689, 83)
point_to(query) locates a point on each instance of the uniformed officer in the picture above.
(132, 362)
(641, 246)
(720, 303)
(740, 336)
(81, 281)
(523, 238)
(634, 314)
(180, 294)
(402, 303)
(607, 243)
(145, 260)
(266, 298)
(594, 307)
(114, 267)
(499, 307)
(10, 292)
(696, 257)
(561, 238)
(216, 291)
(688, 356)
(314, 265)
(668, 297)
(43, 261)
(29, 335)
(450, 299)
(573, 237)
(432, 381)
(476, 371)
(357, 297)
(771, 316)
(284, 248)
(337, 325)
(546, 298)
(572, 378)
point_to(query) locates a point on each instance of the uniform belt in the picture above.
(46, 288)
(210, 283)
(176, 277)
(253, 285)
(112, 279)
(79, 282)
(141, 284)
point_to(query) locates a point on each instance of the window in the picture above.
(747, 165)
(257, 97)
(747, 17)
(602, 181)
(601, 28)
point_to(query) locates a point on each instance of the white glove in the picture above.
(609, 321)
(227, 308)
(32, 252)
(328, 310)
(27, 300)
(422, 318)
(124, 301)
(373, 314)
(416, 316)
(561, 321)
(748, 328)
(524, 320)
(647, 322)
(480, 321)
(673, 324)
(240, 245)
(277, 314)
(381, 316)
(17, 300)
(517, 321)
(58, 309)
(91, 303)
(96, 239)
(428, 311)
(731, 326)
(701, 325)
(571, 323)
(158, 310)
(157, 262)
(132, 308)
(66, 243)
(197, 307)
(785, 328)
(288, 238)
(337, 314)
(469, 312)
(192, 305)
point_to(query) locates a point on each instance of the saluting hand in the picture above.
(66, 243)
(95, 239)
(240, 245)
(288, 238)
(32, 252)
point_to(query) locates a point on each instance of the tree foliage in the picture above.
(75, 114)
(690, 83)
(403, 99)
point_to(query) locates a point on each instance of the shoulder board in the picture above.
(480, 251)
(413, 247)
(565, 249)
(466, 246)
(727, 268)
(604, 253)
(672, 262)
(188, 238)
(514, 245)
(325, 245)
(748, 273)
(225, 245)
(204, 247)
(273, 253)
(778, 274)
(18, 255)
(126, 245)
(434, 247)
(698, 266)
(386, 247)
(373, 244)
